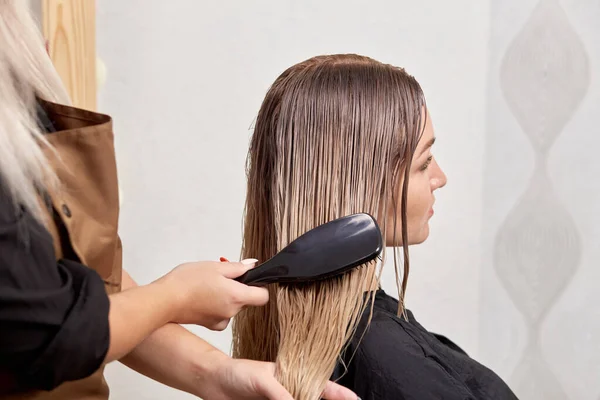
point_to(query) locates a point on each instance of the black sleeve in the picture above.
(53, 315)
(392, 366)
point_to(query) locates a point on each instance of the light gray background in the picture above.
(185, 79)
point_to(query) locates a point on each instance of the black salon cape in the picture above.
(400, 360)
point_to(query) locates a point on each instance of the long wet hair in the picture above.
(26, 71)
(334, 136)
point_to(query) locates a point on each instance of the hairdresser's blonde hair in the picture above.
(332, 138)
(25, 72)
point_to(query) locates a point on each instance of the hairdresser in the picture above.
(66, 306)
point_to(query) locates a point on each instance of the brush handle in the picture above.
(267, 272)
(249, 277)
(326, 251)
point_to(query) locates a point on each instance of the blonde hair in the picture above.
(26, 71)
(332, 138)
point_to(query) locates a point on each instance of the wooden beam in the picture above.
(70, 28)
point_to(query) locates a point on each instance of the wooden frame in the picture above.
(69, 26)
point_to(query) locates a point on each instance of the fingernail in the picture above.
(223, 259)
(249, 261)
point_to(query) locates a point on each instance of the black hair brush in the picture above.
(326, 251)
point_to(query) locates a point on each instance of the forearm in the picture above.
(134, 315)
(175, 357)
(172, 355)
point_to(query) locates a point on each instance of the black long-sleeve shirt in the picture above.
(400, 360)
(53, 315)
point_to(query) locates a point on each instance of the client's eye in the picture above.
(426, 165)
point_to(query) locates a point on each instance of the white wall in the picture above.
(540, 321)
(184, 82)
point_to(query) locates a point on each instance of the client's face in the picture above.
(426, 177)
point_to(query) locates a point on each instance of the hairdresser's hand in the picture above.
(205, 293)
(245, 379)
(333, 391)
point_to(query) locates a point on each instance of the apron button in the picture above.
(66, 211)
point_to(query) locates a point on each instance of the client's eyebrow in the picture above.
(427, 146)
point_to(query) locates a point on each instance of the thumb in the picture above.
(250, 295)
(255, 296)
(333, 391)
(273, 390)
(234, 270)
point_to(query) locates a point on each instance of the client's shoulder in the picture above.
(381, 327)
(385, 309)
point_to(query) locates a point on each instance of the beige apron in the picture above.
(86, 213)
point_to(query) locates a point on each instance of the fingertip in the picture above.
(249, 262)
(336, 391)
(274, 390)
(235, 269)
(260, 295)
(264, 292)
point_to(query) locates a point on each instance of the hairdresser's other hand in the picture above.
(333, 391)
(205, 293)
(246, 379)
